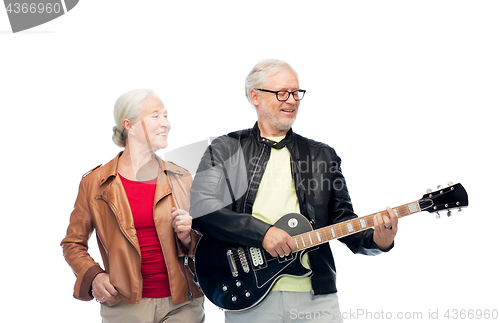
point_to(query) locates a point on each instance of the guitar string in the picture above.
(341, 229)
(268, 257)
(306, 245)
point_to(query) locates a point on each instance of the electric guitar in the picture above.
(236, 277)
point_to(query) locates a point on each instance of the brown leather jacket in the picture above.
(102, 205)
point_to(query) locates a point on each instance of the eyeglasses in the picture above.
(284, 95)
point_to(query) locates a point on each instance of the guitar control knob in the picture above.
(238, 283)
(234, 299)
(247, 294)
(224, 288)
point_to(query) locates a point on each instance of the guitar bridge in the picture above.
(232, 263)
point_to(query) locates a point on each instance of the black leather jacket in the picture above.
(227, 181)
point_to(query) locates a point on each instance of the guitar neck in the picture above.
(343, 229)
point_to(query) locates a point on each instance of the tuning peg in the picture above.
(460, 211)
(450, 183)
(438, 215)
(429, 191)
(440, 187)
(449, 213)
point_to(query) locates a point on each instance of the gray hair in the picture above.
(257, 78)
(128, 106)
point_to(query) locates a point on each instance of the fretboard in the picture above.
(339, 230)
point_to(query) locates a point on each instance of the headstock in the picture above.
(445, 198)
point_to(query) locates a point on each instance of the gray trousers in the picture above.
(291, 307)
(154, 310)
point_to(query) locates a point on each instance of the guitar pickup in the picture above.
(257, 257)
(243, 260)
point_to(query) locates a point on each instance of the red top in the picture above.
(153, 268)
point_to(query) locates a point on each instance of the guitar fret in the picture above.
(324, 235)
(413, 207)
(319, 236)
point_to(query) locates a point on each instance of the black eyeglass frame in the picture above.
(288, 96)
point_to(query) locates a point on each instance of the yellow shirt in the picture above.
(276, 197)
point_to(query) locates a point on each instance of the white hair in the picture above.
(128, 106)
(257, 78)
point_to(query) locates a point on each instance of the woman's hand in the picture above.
(102, 290)
(181, 222)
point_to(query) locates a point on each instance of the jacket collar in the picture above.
(114, 187)
(278, 145)
(111, 168)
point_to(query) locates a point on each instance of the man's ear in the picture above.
(254, 97)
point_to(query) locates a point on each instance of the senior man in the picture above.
(248, 179)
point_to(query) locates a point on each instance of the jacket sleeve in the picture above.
(75, 247)
(341, 210)
(220, 183)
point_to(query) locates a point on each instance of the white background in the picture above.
(407, 92)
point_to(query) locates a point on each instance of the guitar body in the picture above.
(237, 277)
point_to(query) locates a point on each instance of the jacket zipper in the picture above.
(186, 262)
(253, 175)
(114, 213)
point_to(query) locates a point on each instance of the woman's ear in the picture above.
(127, 124)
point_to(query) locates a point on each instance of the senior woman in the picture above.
(137, 205)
